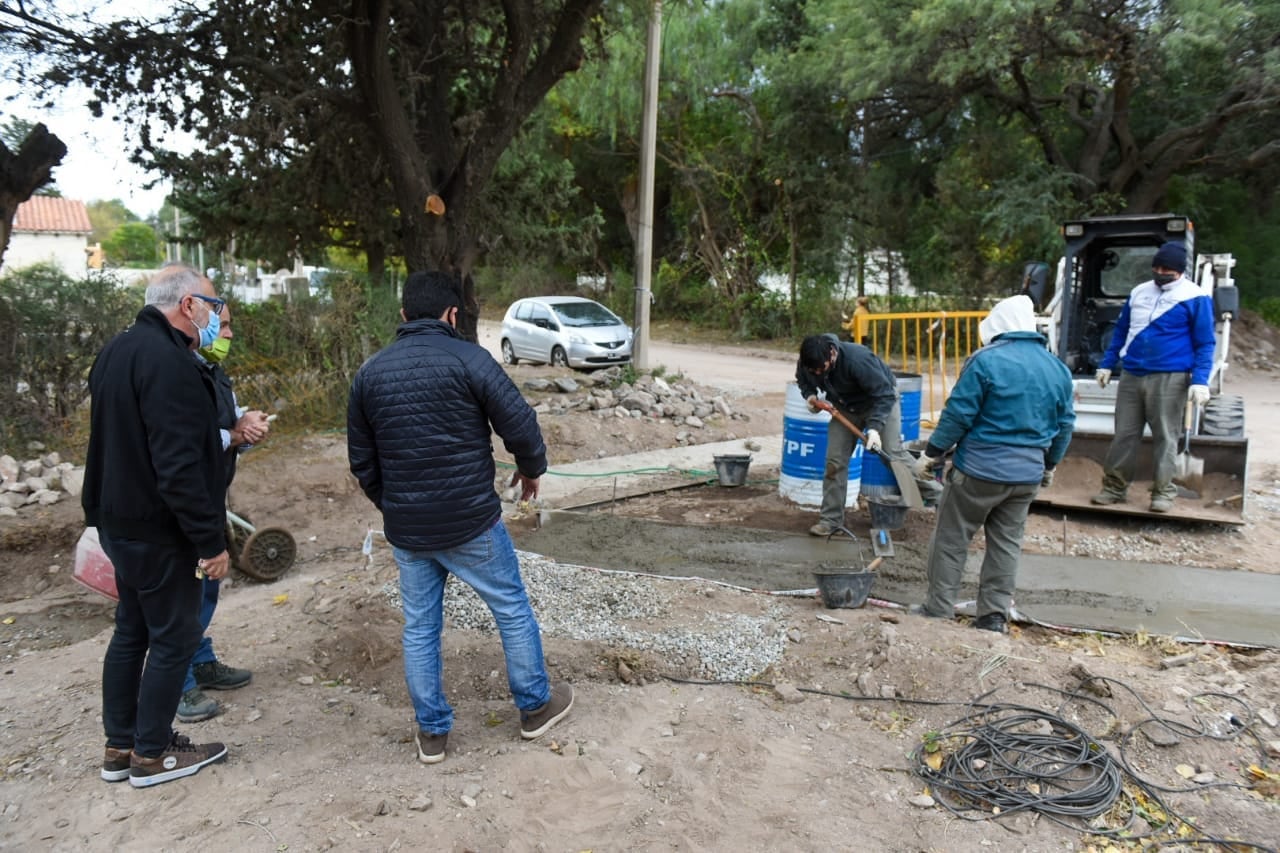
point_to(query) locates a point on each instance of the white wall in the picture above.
(65, 250)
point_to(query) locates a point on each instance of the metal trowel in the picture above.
(881, 543)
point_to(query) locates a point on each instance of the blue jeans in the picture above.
(204, 654)
(487, 564)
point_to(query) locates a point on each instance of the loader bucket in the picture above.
(1221, 501)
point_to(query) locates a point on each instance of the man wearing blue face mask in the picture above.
(154, 488)
(238, 429)
(1164, 341)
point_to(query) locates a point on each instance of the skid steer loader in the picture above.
(1077, 310)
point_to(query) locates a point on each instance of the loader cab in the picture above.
(1105, 258)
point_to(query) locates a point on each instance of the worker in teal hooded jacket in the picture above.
(1009, 418)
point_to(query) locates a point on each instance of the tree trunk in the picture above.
(23, 173)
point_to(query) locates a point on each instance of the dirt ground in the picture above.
(818, 757)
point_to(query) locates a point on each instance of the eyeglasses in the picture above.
(215, 305)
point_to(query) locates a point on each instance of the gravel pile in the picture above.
(631, 612)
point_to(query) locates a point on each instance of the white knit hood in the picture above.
(1015, 314)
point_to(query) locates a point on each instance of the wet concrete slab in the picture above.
(1107, 595)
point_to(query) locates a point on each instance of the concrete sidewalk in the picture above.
(595, 480)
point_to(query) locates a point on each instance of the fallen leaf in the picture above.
(280, 599)
(8, 620)
(1186, 771)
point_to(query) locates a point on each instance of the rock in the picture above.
(788, 693)
(1273, 748)
(45, 497)
(1268, 716)
(864, 683)
(35, 446)
(31, 468)
(751, 444)
(566, 384)
(37, 484)
(922, 801)
(694, 422)
(1160, 735)
(538, 384)
(8, 468)
(50, 460)
(703, 410)
(17, 487)
(718, 404)
(661, 387)
(639, 401)
(73, 482)
(7, 512)
(10, 500)
(542, 408)
(420, 803)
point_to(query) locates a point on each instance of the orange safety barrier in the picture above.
(933, 344)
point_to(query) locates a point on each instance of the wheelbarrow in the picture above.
(263, 553)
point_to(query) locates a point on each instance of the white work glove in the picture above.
(1046, 480)
(873, 441)
(813, 403)
(1198, 395)
(924, 466)
(1103, 376)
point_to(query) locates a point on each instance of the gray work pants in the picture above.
(1158, 400)
(967, 504)
(840, 442)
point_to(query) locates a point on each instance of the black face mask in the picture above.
(1164, 279)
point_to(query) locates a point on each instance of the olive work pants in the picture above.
(967, 504)
(1157, 400)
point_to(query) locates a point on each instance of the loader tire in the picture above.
(1223, 415)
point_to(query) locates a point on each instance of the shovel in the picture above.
(1188, 470)
(901, 471)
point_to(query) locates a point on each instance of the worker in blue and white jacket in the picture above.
(1164, 342)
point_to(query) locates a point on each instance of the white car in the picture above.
(565, 331)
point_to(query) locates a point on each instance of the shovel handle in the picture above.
(848, 424)
(875, 564)
(1188, 416)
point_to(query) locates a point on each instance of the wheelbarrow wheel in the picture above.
(268, 554)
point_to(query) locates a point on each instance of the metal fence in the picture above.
(931, 344)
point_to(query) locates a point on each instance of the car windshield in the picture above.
(585, 314)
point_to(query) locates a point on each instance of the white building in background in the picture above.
(50, 230)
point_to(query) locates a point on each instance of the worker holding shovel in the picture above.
(864, 394)
(1164, 340)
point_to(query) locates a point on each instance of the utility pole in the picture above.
(644, 213)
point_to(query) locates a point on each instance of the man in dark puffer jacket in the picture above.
(419, 426)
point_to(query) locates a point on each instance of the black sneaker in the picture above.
(218, 676)
(195, 706)
(115, 764)
(180, 758)
(992, 622)
(431, 747)
(536, 722)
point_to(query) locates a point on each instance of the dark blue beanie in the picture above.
(1171, 256)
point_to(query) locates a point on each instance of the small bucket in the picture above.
(732, 470)
(843, 587)
(886, 516)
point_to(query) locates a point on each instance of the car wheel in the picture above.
(558, 357)
(508, 354)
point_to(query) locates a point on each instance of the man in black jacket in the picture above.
(419, 425)
(153, 488)
(856, 381)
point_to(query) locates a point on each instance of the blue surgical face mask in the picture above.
(210, 332)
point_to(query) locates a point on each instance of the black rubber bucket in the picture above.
(843, 587)
(885, 516)
(732, 470)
